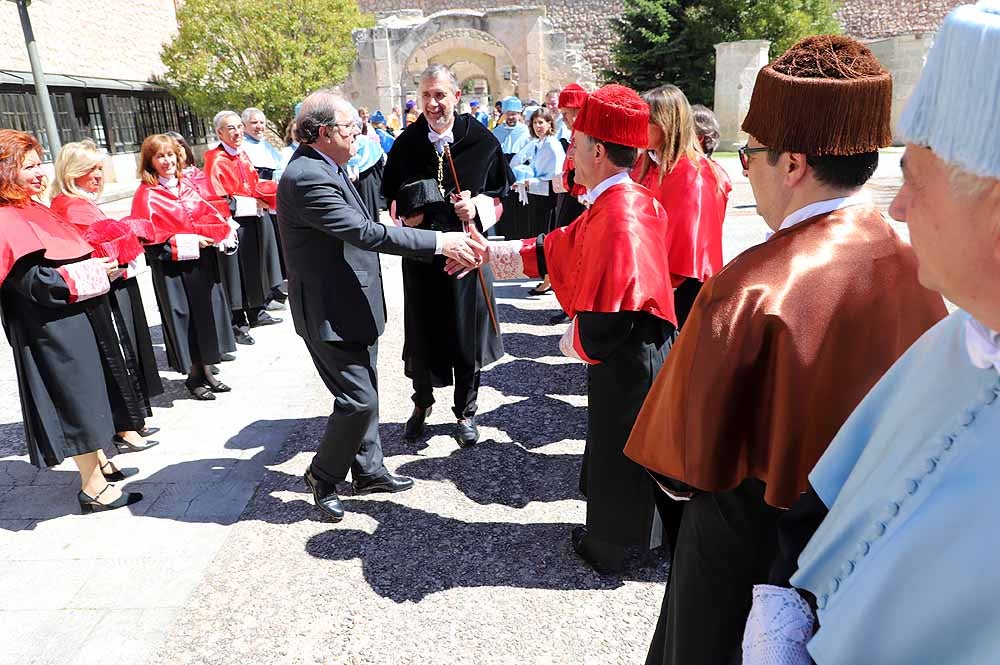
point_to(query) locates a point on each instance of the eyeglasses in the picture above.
(745, 153)
(346, 128)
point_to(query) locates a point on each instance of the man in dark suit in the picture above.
(331, 246)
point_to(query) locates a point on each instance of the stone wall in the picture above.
(875, 19)
(587, 23)
(904, 57)
(100, 39)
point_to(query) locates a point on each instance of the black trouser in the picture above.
(351, 441)
(244, 319)
(466, 391)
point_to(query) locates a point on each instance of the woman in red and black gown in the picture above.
(79, 170)
(74, 386)
(692, 188)
(184, 260)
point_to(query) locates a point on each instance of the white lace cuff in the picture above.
(135, 267)
(230, 243)
(778, 628)
(486, 209)
(85, 279)
(566, 342)
(505, 258)
(185, 247)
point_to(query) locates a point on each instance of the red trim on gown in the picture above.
(33, 227)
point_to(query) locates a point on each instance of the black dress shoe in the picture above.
(244, 338)
(561, 317)
(125, 446)
(384, 483)
(213, 370)
(91, 504)
(148, 431)
(414, 428)
(466, 432)
(606, 559)
(117, 475)
(325, 496)
(228, 357)
(265, 319)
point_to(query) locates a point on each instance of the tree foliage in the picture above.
(673, 41)
(260, 53)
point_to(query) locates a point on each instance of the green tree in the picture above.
(673, 41)
(260, 53)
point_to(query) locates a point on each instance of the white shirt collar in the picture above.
(232, 152)
(169, 183)
(617, 179)
(983, 345)
(823, 207)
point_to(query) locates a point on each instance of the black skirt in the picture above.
(133, 331)
(194, 311)
(540, 210)
(246, 274)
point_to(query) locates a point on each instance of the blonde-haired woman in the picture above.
(79, 180)
(693, 190)
(185, 266)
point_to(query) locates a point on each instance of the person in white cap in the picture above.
(902, 569)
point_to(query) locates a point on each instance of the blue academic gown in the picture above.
(904, 567)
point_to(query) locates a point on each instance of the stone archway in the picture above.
(516, 51)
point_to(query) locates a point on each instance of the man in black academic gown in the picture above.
(335, 292)
(449, 333)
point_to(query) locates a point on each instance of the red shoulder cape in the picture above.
(612, 258)
(694, 194)
(79, 212)
(229, 175)
(32, 228)
(172, 214)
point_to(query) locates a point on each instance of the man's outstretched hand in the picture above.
(464, 250)
(479, 244)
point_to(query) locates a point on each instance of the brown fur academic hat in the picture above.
(826, 95)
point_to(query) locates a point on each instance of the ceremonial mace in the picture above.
(482, 280)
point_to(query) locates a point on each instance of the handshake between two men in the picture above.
(464, 250)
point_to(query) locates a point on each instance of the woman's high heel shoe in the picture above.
(125, 446)
(200, 392)
(117, 475)
(219, 387)
(89, 504)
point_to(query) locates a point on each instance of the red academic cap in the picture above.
(572, 96)
(615, 114)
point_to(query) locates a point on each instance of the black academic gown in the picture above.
(194, 311)
(75, 390)
(621, 500)
(133, 331)
(369, 186)
(447, 324)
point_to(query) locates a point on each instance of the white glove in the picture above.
(230, 243)
(778, 628)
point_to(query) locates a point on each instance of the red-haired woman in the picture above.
(79, 170)
(75, 389)
(184, 260)
(692, 188)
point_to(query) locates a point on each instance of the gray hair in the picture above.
(320, 109)
(250, 112)
(221, 116)
(969, 185)
(439, 71)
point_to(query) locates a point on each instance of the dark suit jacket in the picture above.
(330, 244)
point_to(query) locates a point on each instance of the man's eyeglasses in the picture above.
(346, 128)
(745, 153)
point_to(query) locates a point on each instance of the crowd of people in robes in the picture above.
(805, 432)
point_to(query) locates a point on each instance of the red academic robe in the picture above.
(694, 194)
(77, 211)
(235, 175)
(609, 270)
(172, 213)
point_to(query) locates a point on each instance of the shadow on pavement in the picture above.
(414, 553)
(526, 345)
(503, 473)
(528, 377)
(538, 421)
(538, 317)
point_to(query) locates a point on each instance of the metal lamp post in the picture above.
(38, 73)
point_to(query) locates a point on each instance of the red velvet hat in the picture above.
(572, 96)
(615, 114)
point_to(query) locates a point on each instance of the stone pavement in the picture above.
(225, 560)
